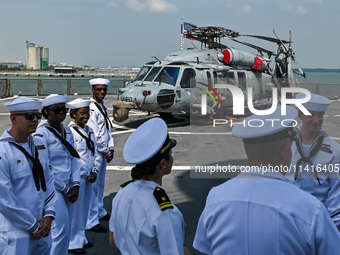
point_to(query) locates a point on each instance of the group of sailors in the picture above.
(52, 175)
(52, 181)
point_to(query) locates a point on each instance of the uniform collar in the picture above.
(73, 124)
(298, 135)
(94, 101)
(259, 174)
(44, 123)
(150, 184)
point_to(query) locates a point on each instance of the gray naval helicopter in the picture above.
(176, 84)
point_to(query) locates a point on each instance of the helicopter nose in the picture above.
(166, 98)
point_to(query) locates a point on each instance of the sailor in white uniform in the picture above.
(315, 164)
(27, 200)
(259, 211)
(143, 219)
(65, 166)
(101, 125)
(87, 149)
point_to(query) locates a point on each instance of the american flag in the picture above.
(184, 28)
(188, 26)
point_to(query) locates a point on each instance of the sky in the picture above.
(119, 33)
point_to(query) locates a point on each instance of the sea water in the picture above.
(329, 83)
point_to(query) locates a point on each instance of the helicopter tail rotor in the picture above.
(289, 53)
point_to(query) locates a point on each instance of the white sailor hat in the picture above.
(99, 81)
(23, 104)
(146, 141)
(317, 103)
(54, 99)
(79, 103)
(267, 128)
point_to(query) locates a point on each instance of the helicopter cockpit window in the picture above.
(168, 75)
(154, 71)
(188, 78)
(140, 76)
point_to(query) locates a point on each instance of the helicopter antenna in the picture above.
(157, 59)
(194, 45)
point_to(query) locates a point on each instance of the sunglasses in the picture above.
(30, 115)
(101, 89)
(58, 110)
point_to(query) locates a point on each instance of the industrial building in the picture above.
(37, 56)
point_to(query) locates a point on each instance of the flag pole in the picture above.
(182, 30)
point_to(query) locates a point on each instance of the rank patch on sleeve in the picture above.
(40, 147)
(162, 199)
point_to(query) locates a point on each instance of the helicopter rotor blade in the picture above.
(280, 40)
(270, 39)
(254, 46)
(302, 73)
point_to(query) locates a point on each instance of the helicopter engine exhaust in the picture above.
(243, 58)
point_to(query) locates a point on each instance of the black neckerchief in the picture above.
(38, 172)
(67, 145)
(304, 159)
(89, 142)
(104, 113)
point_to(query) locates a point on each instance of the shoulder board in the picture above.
(162, 199)
(126, 183)
(40, 135)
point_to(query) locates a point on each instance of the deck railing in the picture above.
(46, 86)
(80, 86)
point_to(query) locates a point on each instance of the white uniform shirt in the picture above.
(21, 205)
(327, 165)
(104, 139)
(66, 169)
(264, 216)
(90, 163)
(140, 226)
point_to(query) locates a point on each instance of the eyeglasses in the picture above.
(101, 89)
(30, 115)
(58, 110)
